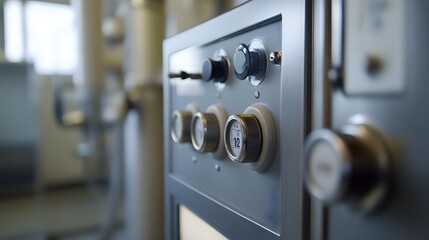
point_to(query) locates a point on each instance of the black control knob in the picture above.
(249, 62)
(216, 70)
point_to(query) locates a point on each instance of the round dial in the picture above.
(180, 126)
(324, 169)
(236, 138)
(205, 132)
(198, 130)
(351, 165)
(243, 138)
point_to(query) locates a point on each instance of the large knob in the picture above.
(251, 137)
(180, 123)
(243, 138)
(180, 126)
(206, 129)
(205, 132)
(352, 165)
(250, 62)
(216, 70)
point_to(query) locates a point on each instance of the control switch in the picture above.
(243, 138)
(216, 70)
(206, 129)
(180, 126)
(250, 62)
(251, 137)
(350, 166)
(204, 132)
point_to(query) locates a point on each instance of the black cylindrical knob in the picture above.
(242, 61)
(216, 70)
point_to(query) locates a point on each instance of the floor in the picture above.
(72, 214)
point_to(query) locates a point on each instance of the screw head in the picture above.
(217, 167)
(276, 58)
(257, 94)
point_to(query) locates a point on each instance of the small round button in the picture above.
(242, 62)
(204, 132)
(350, 166)
(180, 126)
(216, 70)
(250, 62)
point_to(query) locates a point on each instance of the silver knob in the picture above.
(352, 165)
(251, 137)
(205, 132)
(243, 138)
(180, 126)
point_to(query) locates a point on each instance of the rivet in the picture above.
(257, 94)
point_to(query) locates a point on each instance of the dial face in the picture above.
(324, 170)
(198, 132)
(177, 127)
(240, 62)
(236, 142)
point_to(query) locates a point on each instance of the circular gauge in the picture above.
(180, 126)
(204, 132)
(243, 138)
(236, 138)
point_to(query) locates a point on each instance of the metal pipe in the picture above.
(144, 204)
(89, 79)
(144, 35)
(116, 168)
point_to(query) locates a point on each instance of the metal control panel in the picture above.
(234, 122)
(202, 163)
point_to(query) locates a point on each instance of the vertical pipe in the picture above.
(116, 155)
(144, 204)
(144, 36)
(89, 78)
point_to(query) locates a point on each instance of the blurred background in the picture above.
(71, 73)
